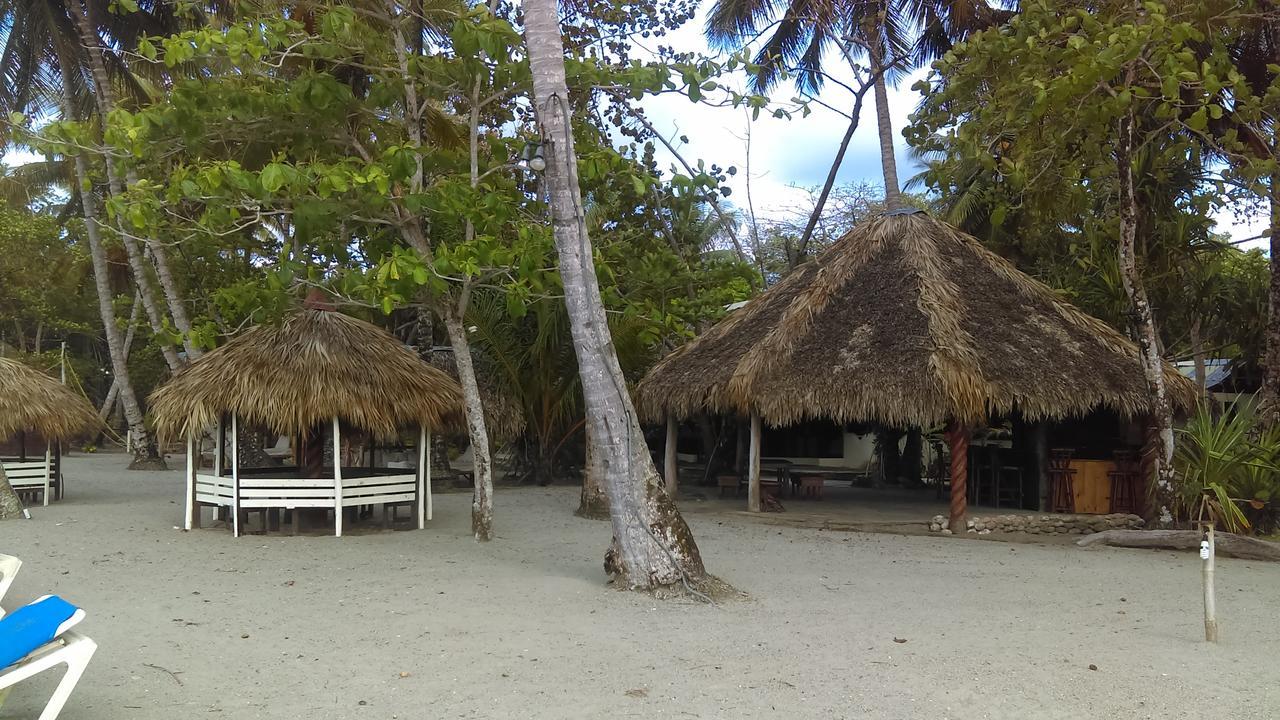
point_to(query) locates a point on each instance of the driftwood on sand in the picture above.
(1236, 546)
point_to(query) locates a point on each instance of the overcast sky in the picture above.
(798, 152)
(786, 154)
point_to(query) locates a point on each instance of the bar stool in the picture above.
(1124, 482)
(1061, 481)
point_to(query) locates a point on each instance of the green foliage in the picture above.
(43, 274)
(1018, 130)
(1227, 465)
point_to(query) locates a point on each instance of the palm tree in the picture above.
(1256, 52)
(804, 34)
(652, 546)
(46, 68)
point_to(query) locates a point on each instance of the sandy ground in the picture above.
(200, 625)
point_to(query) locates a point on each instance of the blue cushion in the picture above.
(29, 627)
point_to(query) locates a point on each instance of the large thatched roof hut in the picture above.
(905, 321)
(315, 372)
(33, 401)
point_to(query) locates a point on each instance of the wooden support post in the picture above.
(48, 470)
(1207, 553)
(1040, 455)
(671, 466)
(191, 482)
(337, 479)
(958, 442)
(220, 451)
(430, 511)
(235, 477)
(424, 475)
(753, 466)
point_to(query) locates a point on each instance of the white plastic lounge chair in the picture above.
(9, 566)
(282, 450)
(65, 647)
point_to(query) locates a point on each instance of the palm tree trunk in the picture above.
(652, 546)
(594, 503)
(1198, 358)
(1269, 404)
(884, 124)
(1148, 340)
(113, 393)
(803, 244)
(145, 453)
(10, 503)
(173, 296)
(105, 99)
(482, 498)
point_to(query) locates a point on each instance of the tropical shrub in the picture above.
(1228, 469)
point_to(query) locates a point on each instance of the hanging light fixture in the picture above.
(531, 157)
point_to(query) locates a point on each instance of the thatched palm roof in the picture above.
(905, 321)
(315, 365)
(31, 400)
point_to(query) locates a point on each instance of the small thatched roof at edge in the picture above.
(315, 365)
(905, 321)
(31, 400)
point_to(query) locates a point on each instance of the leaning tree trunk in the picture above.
(10, 504)
(594, 503)
(1198, 359)
(652, 546)
(1148, 340)
(888, 162)
(105, 100)
(113, 393)
(145, 454)
(482, 498)
(1269, 404)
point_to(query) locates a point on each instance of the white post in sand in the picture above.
(191, 482)
(235, 476)
(753, 471)
(48, 470)
(221, 442)
(424, 476)
(337, 479)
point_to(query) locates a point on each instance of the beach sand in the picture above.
(431, 624)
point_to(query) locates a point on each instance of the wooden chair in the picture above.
(727, 483)
(1125, 484)
(811, 486)
(1061, 481)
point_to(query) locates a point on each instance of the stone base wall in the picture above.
(1042, 524)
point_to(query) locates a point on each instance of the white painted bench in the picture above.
(31, 477)
(266, 493)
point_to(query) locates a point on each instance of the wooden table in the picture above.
(1091, 486)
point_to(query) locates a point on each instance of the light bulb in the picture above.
(537, 163)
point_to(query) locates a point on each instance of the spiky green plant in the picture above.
(1223, 462)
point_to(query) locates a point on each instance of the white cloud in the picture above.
(798, 152)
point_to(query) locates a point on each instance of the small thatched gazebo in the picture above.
(315, 372)
(905, 321)
(33, 401)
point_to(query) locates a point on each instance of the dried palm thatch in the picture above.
(31, 400)
(905, 321)
(315, 365)
(503, 417)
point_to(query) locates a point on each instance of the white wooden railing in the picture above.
(28, 476)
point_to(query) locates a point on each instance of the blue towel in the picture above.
(31, 626)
